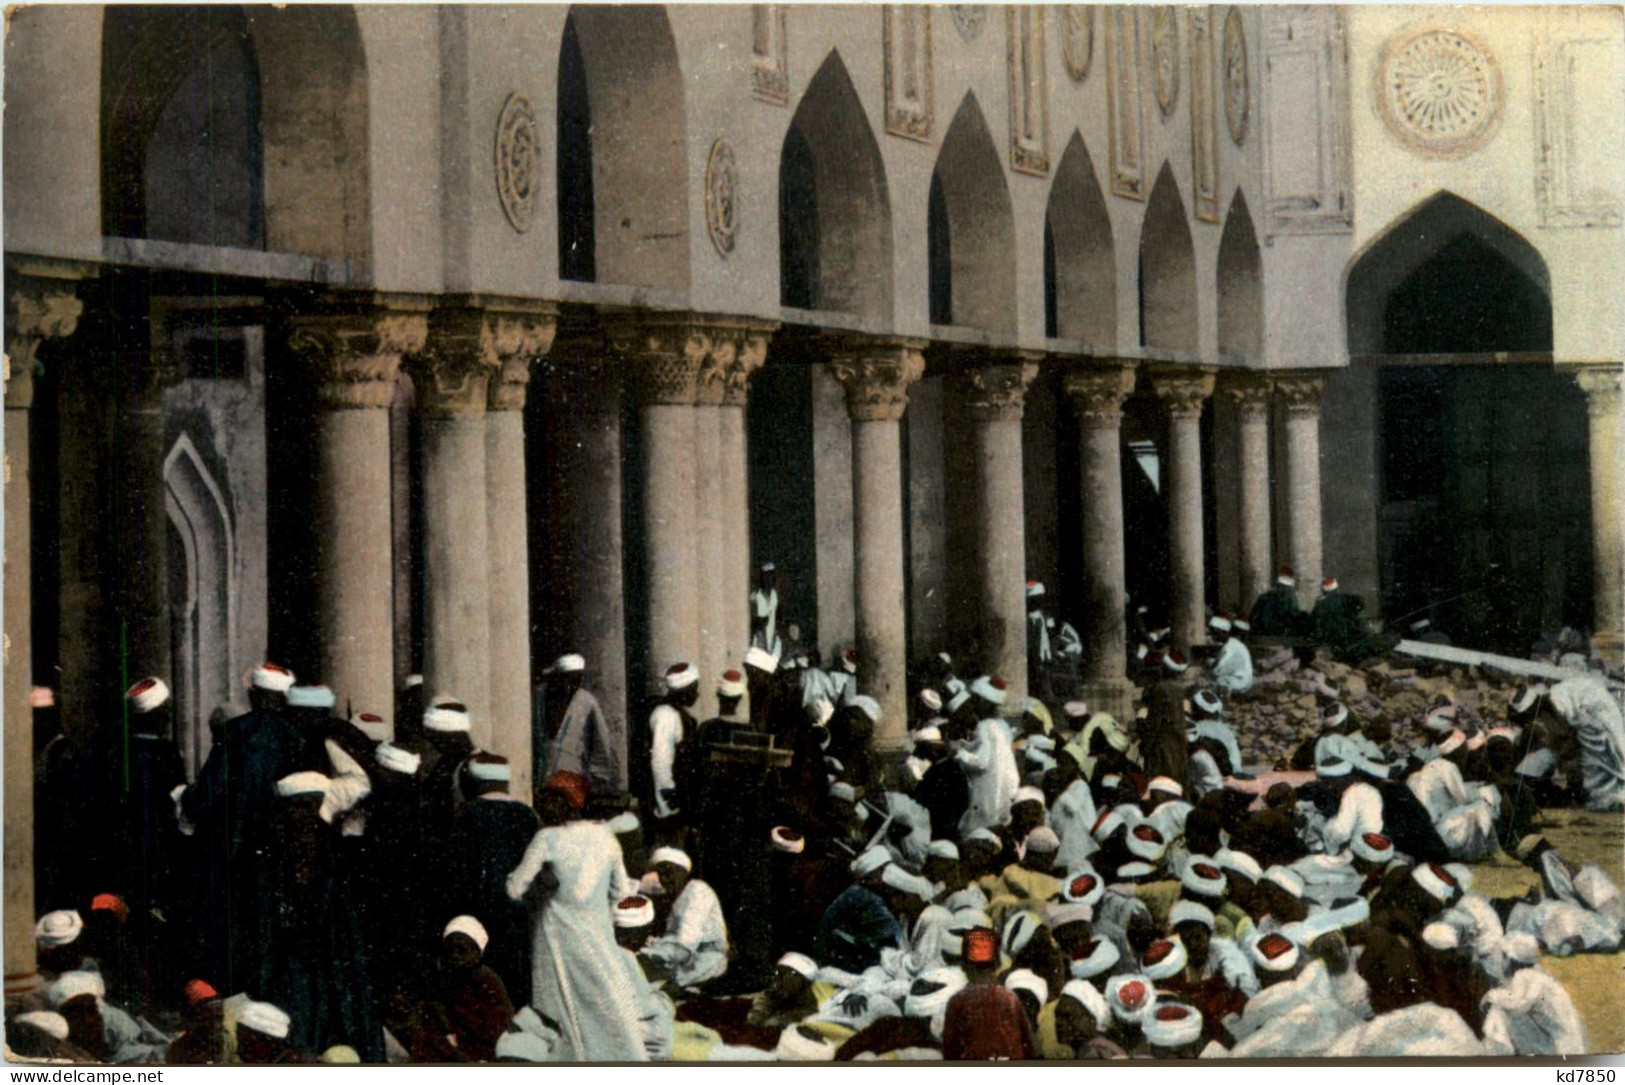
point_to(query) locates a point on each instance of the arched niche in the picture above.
(1168, 317)
(203, 598)
(622, 149)
(835, 242)
(971, 229)
(245, 127)
(1080, 269)
(1240, 285)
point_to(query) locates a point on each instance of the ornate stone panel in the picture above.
(1029, 115)
(1077, 39)
(1438, 91)
(910, 92)
(1126, 127)
(1238, 90)
(1577, 182)
(518, 172)
(1165, 57)
(722, 197)
(769, 54)
(1304, 113)
(1204, 131)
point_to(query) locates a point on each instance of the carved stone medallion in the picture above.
(1439, 92)
(721, 196)
(1165, 58)
(969, 19)
(1237, 82)
(1077, 40)
(516, 170)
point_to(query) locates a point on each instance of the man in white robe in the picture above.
(1593, 715)
(1296, 1018)
(1233, 669)
(1463, 813)
(1072, 816)
(694, 947)
(574, 873)
(990, 766)
(1531, 1013)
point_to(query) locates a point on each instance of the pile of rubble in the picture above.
(1284, 705)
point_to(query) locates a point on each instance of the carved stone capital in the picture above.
(37, 309)
(1250, 392)
(876, 374)
(1602, 386)
(517, 339)
(686, 358)
(997, 392)
(354, 353)
(1098, 393)
(1183, 390)
(1301, 392)
(478, 354)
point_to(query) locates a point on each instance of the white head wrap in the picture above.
(146, 695)
(1164, 959)
(58, 928)
(1172, 1024)
(569, 663)
(942, 849)
(634, 911)
(264, 1018)
(761, 659)
(52, 1024)
(1189, 911)
(1084, 994)
(392, 757)
(868, 706)
(447, 717)
(271, 676)
(799, 963)
(681, 676)
(675, 856)
(71, 985)
(467, 924)
(1023, 979)
(311, 697)
(303, 783)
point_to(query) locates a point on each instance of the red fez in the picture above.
(1132, 994)
(1148, 833)
(1207, 871)
(981, 946)
(571, 785)
(199, 991)
(1082, 885)
(109, 902)
(1158, 951)
(1378, 841)
(370, 717)
(1274, 945)
(1171, 1013)
(998, 683)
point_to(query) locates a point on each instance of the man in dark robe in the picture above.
(310, 949)
(398, 878)
(854, 929)
(445, 729)
(1276, 613)
(1164, 748)
(580, 738)
(1337, 622)
(944, 790)
(488, 838)
(233, 804)
(465, 1008)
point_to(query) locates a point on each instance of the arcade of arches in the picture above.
(444, 340)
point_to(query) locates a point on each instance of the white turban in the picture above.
(264, 1018)
(146, 695)
(675, 856)
(303, 783)
(71, 985)
(1084, 994)
(1023, 979)
(448, 717)
(277, 679)
(311, 697)
(58, 928)
(799, 963)
(395, 759)
(473, 928)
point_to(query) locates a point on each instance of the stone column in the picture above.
(1301, 394)
(354, 352)
(735, 518)
(1098, 394)
(1602, 386)
(451, 380)
(36, 310)
(520, 333)
(994, 395)
(876, 375)
(709, 565)
(1250, 392)
(1184, 391)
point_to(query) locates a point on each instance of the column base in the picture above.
(1114, 696)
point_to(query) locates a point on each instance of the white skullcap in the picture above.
(58, 928)
(264, 1018)
(569, 663)
(1440, 884)
(412, 681)
(761, 659)
(311, 697)
(1034, 590)
(392, 757)
(1189, 911)
(931, 699)
(146, 695)
(1172, 1024)
(1131, 997)
(1024, 979)
(1208, 702)
(467, 924)
(843, 791)
(991, 689)
(303, 783)
(799, 963)
(489, 766)
(1075, 710)
(984, 834)
(1027, 794)
(1219, 622)
(942, 849)
(904, 882)
(447, 717)
(674, 856)
(731, 684)
(1441, 936)
(957, 701)
(623, 824)
(682, 675)
(868, 706)
(787, 840)
(1164, 784)
(52, 1024)
(71, 985)
(1286, 879)
(1372, 847)
(634, 911)
(1084, 994)
(271, 676)
(1102, 957)
(1164, 958)
(928, 734)
(1240, 862)
(1042, 840)
(870, 861)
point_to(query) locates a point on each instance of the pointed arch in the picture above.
(1240, 284)
(1486, 287)
(835, 238)
(1081, 272)
(973, 254)
(622, 149)
(248, 127)
(204, 612)
(1168, 317)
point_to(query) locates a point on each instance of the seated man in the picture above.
(694, 946)
(466, 1007)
